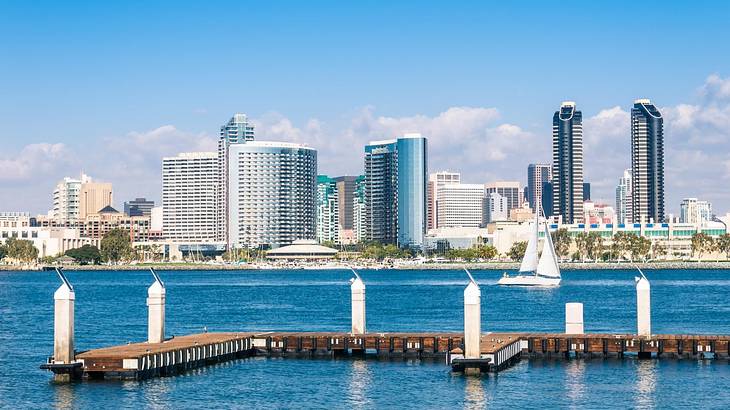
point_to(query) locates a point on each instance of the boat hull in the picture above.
(528, 280)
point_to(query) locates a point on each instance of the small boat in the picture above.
(534, 271)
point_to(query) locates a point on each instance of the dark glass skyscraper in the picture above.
(647, 162)
(568, 163)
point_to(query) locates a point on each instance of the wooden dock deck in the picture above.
(500, 350)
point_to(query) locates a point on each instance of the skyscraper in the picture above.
(381, 192)
(271, 194)
(66, 200)
(412, 174)
(510, 190)
(537, 175)
(359, 222)
(395, 190)
(435, 180)
(238, 130)
(694, 211)
(189, 197)
(623, 198)
(93, 197)
(568, 163)
(139, 207)
(647, 162)
(495, 208)
(335, 208)
(460, 205)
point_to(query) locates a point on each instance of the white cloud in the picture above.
(34, 160)
(716, 87)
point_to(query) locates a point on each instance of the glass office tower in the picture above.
(412, 178)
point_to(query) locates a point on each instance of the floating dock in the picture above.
(499, 351)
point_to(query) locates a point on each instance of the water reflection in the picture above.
(359, 384)
(64, 395)
(474, 397)
(645, 386)
(575, 384)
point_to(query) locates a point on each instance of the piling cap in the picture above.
(64, 292)
(357, 284)
(156, 289)
(642, 283)
(472, 293)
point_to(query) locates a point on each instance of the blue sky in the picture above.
(111, 87)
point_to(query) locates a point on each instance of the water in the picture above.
(110, 309)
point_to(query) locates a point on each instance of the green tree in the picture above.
(723, 245)
(517, 251)
(621, 244)
(486, 252)
(640, 247)
(658, 250)
(87, 254)
(582, 245)
(3, 251)
(116, 245)
(595, 245)
(701, 243)
(562, 241)
(21, 249)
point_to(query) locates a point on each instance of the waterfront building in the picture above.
(238, 130)
(156, 226)
(395, 190)
(597, 213)
(522, 213)
(49, 241)
(567, 170)
(190, 185)
(537, 176)
(346, 187)
(93, 197)
(435, 180)
(496, 208)
(647, 162)
(359, 222)
(66, 199)
(623, 198)
(272, 194)
(327, 210)
(440, 240)
(509, 190)
(139, 207)
(98, 224)
(412, 173)
(694, 211)
(460, 205)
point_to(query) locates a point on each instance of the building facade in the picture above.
(359, 222)
(271, 194)
(567, 170)
(537, 175)
(647, 162)
(190, 186)
(412, 175)
(238, 130)
(139, 207)
(66, 200)
(435, 180)
(623, 198)
(694, 211)
(327, 210)
(460, 205)
(509, 190)
(381, 192)
(496, 208)
(93, 197)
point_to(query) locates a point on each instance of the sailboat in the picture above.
(534, 271)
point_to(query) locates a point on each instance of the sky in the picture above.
(109, 88)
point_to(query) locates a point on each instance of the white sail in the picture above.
(529, 261)
(548, 264)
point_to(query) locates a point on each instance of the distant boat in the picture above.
(534, 271)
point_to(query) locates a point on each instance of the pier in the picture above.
(471, 352)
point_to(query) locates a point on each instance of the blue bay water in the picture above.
(110, 309)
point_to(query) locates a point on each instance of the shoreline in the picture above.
(511, 266)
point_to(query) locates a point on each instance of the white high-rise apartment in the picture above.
(435, 180)
(190, 184)
(238, 130)
(623, 198)
(460, 205)
(66, 200)
(271, 194)
(510, 190)
(694, 211)
(495, 208)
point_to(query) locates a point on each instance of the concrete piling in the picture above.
(357, 293)
(643, 306)
(156, 310)
(472, 320)
(574, 318)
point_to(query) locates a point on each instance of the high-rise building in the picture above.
(537, 175)
(381, 192)
(327, 209)
(238, 130)
(412, 174)
(460, 205)
(190, 184)
(546, 206)
(586, 191)
(139, 207)
(435, 180)
(271, 194)
(510, 190)
(66, 199)
(647, 162)
(623, 198)
(395, 190)
(567, 171)
(495, 208)
(359, 222)
(346, 186)
(93, 197)
(694, 211)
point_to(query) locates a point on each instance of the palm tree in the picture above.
(562, 241)
(723, 244)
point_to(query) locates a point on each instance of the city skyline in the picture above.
(484, 119)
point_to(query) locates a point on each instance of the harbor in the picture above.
(471, 352)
